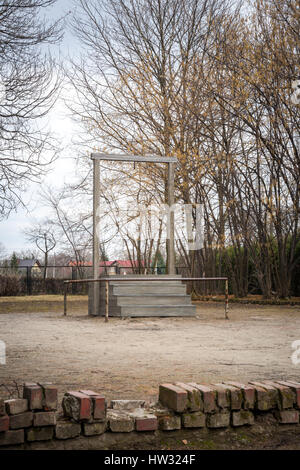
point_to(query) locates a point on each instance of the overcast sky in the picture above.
(63, 169)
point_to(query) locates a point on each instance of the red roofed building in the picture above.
(111, 267)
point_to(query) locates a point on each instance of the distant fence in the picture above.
(31, 280)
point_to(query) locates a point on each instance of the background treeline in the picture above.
(211, 82)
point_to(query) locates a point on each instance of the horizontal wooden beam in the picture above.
(132, 158)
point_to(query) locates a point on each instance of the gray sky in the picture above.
(63, 169)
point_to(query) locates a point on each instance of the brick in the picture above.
(193, 420)
(287, 416)
(266, 396)
(40, 434)
(144, 420)
(286, 394)
(98, 404)
(4, 423)
(119, 421)
(146, 423)
(236, 396)
(169, 422)
(8, 438)
(23, 420)
(44, 418)
(127, 404)
(242, 418)
(208, 397)
(49, 396)
(248, 393)
(173, 397)
(16, 406)
(34, 394)
(67, 430)
(218, 420)
(2, 407)
(222, 395)
(77, 405)
(195, 402)
(93, 429)
(293, 386)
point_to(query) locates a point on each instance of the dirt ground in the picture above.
(129, 358)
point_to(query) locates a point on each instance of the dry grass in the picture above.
(43, 303)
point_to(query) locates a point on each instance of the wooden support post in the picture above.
(226, 299)
(171, 200)
(106, 300)
(65, 299)
(96, 219)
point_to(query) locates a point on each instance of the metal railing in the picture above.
(140, 278)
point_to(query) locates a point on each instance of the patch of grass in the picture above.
(43, 303)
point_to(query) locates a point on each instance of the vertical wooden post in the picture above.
(106, 300)
(171, 200)
(65, 299)
(96, 219)
(226, 300)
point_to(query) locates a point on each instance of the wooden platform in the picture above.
(145, 298)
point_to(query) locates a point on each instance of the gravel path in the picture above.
(129, 358)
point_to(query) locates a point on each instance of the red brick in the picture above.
(148, 423)
(294, 386)
(195, 402)
(208, 397)
(40, 434)
(22, 420)
(77, 405)
(267, 396)
(16, 406)
(218, 420)
(242, 418)
(248, 392)
(8, 438)
(287, 416)
(2, 407)
(94, 429)
(222, 394)
(99, 404)
(173, 397)
(4, 423)
(49, 396)
(286, 394)
(44, 418)
(34, 394)
(194, 420)
(169, 422)
(236, 396)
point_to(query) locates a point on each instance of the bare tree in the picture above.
(29, 84)
(43, 237)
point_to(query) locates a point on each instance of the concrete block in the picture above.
(93, 429)
(242, 418)
(218, 420)
(194, 420)
(22, 420)
(67, 430)
(119, 421)
(44, 418)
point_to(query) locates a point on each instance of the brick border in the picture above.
(180, 405)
